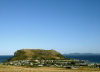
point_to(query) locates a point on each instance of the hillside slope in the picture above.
(31, 54)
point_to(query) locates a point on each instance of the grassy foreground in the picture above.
(4, 68)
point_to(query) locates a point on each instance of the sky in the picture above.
(68, 26)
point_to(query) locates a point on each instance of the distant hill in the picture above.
(32, 54)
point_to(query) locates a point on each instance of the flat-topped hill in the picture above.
(33, 54)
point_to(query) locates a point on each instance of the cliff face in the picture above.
(33, 54)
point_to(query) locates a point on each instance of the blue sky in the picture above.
(67, 26)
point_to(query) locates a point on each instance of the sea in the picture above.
(90, 58)
(5, 57)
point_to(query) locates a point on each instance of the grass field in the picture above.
(4, 68)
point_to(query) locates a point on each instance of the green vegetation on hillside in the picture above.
(31, 54)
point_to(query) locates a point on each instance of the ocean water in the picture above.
(4, 58)
(90, 58)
